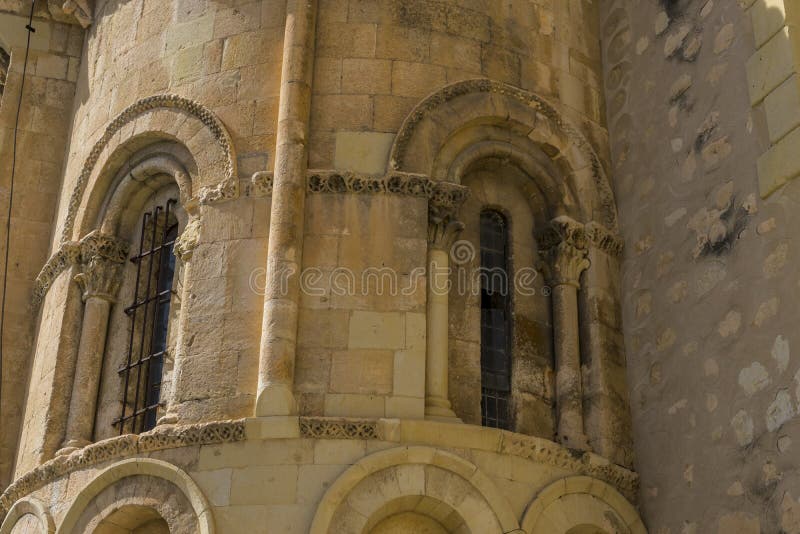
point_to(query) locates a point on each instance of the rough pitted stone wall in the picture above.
(709, 288)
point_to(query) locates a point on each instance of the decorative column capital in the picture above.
(603, 239)
(564, 247)
(102, 258)
(444, 201)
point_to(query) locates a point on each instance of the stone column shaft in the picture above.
(443, 229)
(99, 281)
(437, 403)
(83, 404)
(564, 247)
(282, 290)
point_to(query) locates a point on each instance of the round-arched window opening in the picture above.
(132, 519)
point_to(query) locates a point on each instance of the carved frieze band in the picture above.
(324, 428)
(167, 437)
(94, 248)
(227, 189)
(443, 196)
(163, 437)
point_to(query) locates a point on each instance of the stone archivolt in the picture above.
(227, 189)
(539, 106)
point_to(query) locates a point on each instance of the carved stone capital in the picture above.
(101, 257)
(100, 278)
(109, 247)
(564, 247)
(603, 239)
(444, 200)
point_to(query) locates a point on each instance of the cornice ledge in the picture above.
(160, 438)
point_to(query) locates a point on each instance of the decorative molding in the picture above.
(261, 184)
(100, 278)
(584, 463)
(564, 246)
(162, 437)
(325, 428)
(67, 255)
(535, 102)
(104, 246)
(95, 245)
(28, 506)
(443, 195)
(226, 190)
(603, 239)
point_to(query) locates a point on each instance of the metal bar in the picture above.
(134, 364)
(149, 252)
(133, 325)
(148, 300)
(144, 320)
(157, 304)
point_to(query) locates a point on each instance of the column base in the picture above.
(275, 399)
(437, 409)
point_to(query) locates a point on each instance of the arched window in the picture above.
(149, 315)
(495, 320)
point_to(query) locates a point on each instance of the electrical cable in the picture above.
(31, 30)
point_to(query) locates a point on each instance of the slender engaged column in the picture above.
(443, 229)
(282, 291)
(565, 252)
(99, 281)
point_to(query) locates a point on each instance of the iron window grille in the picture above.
(495, 321)
(149, 315)
(5, 60)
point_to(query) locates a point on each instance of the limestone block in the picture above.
(782, 107)
(314, 480)
(409, 373)
(274, 484)
(341, 112)
(779, 164)
(362, 371)
(416, 79)
(216, 485)
(403, 43)
(349, 405)
(338, 451)
(366, 76)
(405, 407)
(365, 152)
(376, 330)
(773, 63)
(191, 33)
(768, 17)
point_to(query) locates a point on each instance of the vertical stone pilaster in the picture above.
(99, 280)
(564, 248)
(443, 230)
(282, 292)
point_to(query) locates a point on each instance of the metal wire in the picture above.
(31, 30)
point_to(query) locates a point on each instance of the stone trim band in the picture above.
(539, 450)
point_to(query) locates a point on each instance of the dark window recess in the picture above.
(149, 316)
(5, 60)
(495, 321)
